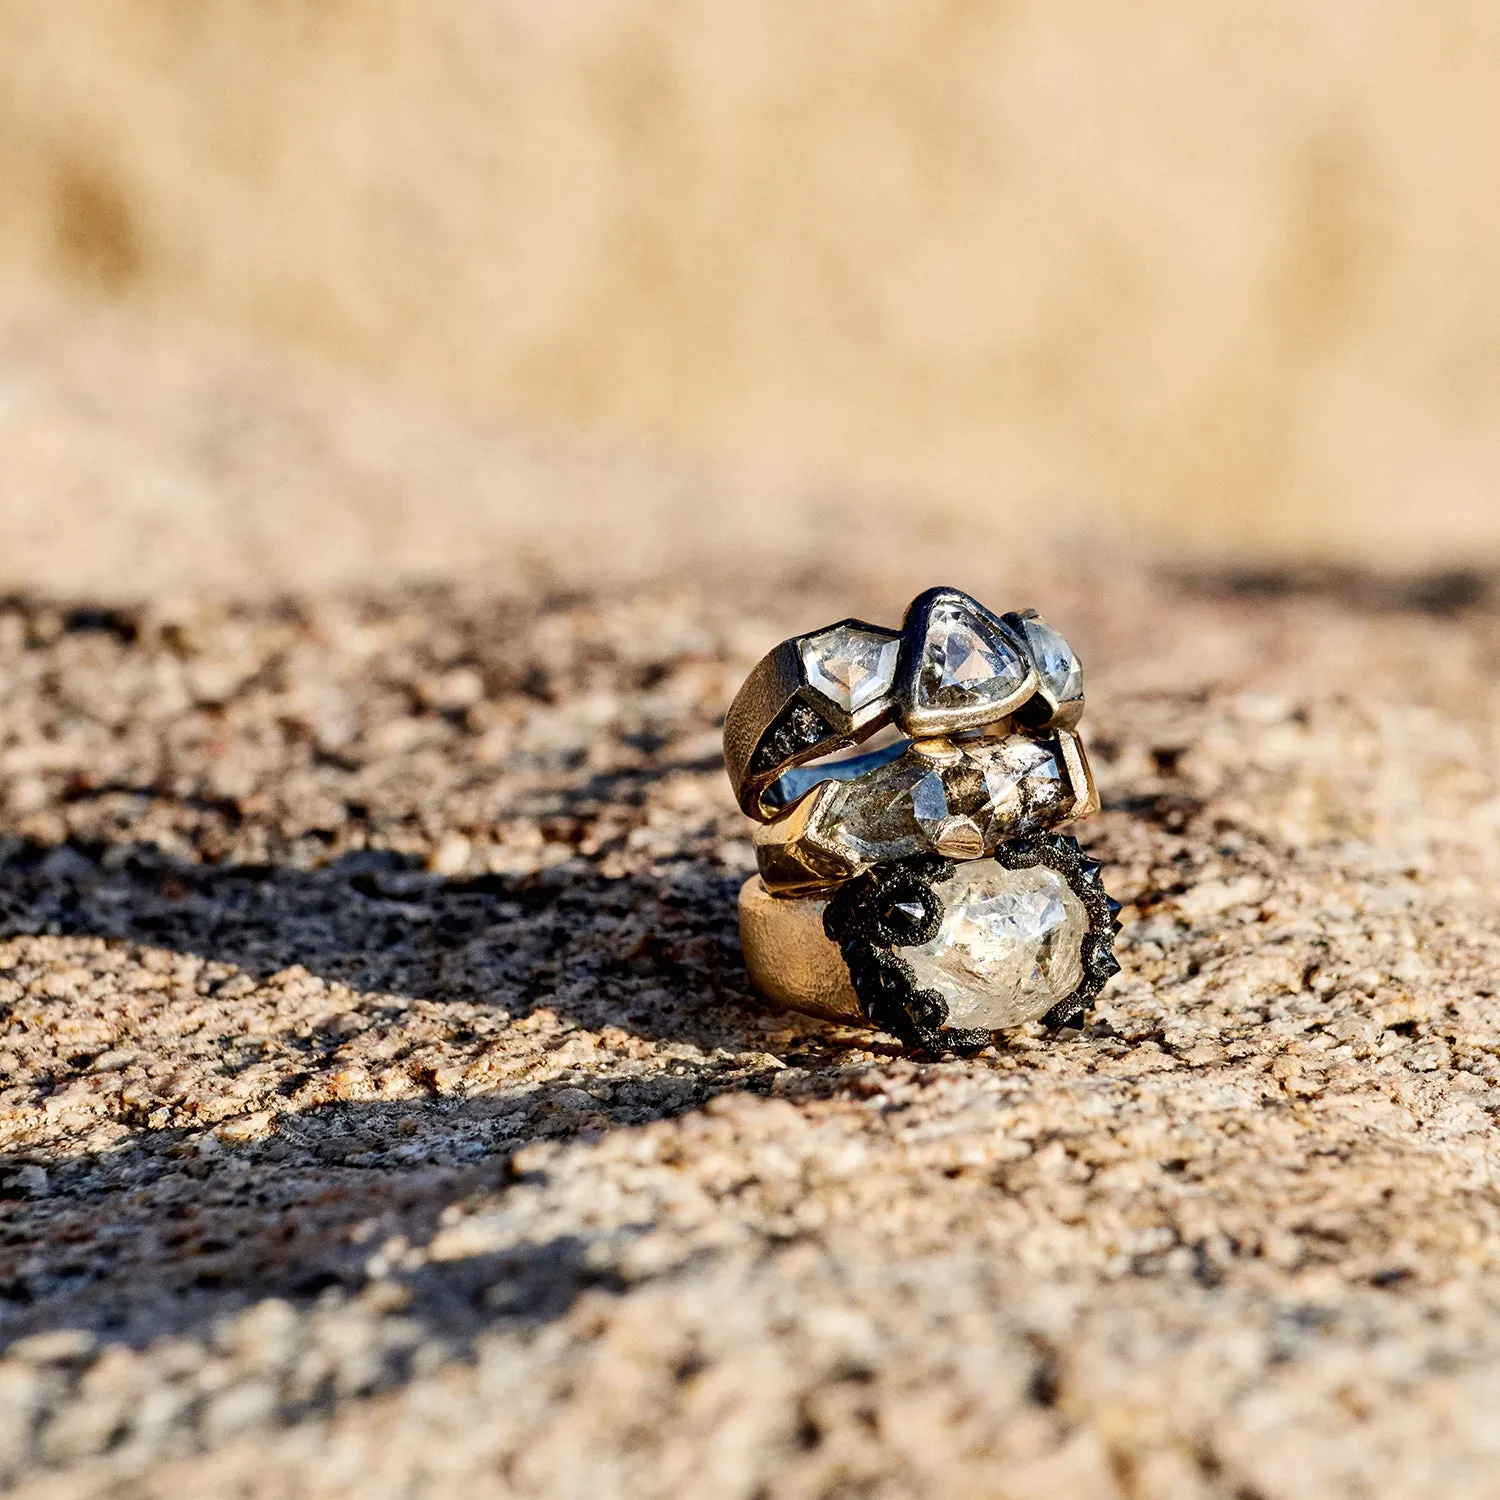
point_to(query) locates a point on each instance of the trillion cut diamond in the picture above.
(1010, 946)
(965, 663)
(1056, 663)
(852, 667)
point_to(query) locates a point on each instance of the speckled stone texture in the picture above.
(385, 1112)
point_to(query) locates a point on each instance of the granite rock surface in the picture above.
(384, 1111)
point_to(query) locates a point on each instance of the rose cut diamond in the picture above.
(965, 663)
(1010, 946)
(1056, 662)
(851, 667)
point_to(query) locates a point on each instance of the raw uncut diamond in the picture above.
(1056, 663)
(964, 662)
(1010, 946)
(852, 667)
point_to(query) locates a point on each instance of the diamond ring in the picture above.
(920, 887)
(958, 797)
(953, 667)
(941, 953)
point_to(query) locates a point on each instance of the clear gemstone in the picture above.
(965, 662)
(1009, 948)
(852, 667)
(1056, 663)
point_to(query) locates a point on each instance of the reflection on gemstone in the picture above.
(965, 662)
(1010, 946)
(1056, 663)
(1000, 787)
(1024, 781)
(892, 813)
(853, 667)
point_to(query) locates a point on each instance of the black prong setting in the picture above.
(870, 918)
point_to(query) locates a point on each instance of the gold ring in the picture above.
(952, 667)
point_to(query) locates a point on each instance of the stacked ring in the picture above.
(921, 888)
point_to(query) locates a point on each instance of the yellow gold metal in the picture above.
(792, 857)
(1080, 776)
(791, 960)
(959, 838)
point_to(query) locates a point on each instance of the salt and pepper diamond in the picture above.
(965, 661)
(961, 800)
(852, 667)
(1057, 663)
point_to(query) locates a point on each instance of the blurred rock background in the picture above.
(327, 286)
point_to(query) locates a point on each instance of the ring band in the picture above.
(953, 667)
(959, 798)
(921, 888)
(941, 953)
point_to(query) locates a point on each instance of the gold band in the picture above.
(791, 960)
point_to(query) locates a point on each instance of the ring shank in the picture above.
(791, 960)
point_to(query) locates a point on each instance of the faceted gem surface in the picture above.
(1025, 784)
(1010, 946)
(852, 667)
(1056, 663)
(903, 807)
(965, 662)
(892, 813)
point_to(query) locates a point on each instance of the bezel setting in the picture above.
(1046, 709)
(900, 905)
(921, 718)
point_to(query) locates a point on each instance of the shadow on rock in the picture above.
(655, 955)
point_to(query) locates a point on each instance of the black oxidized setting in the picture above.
(798, 728)
(900, 905)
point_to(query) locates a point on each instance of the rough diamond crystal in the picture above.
(1010, 946)
(965, 663)
(852, 667)
(1056, 663)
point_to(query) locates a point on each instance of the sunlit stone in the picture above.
(852, 667)
(918, 801)
(1010, 947)
(1056, 663)
(965, 663)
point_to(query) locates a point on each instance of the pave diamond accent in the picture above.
(1010, 946)
(852, 667)
(965, 662)
(1056, 662)
(798, 728)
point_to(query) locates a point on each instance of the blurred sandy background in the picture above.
(320, 286)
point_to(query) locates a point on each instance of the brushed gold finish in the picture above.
(791, 960)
